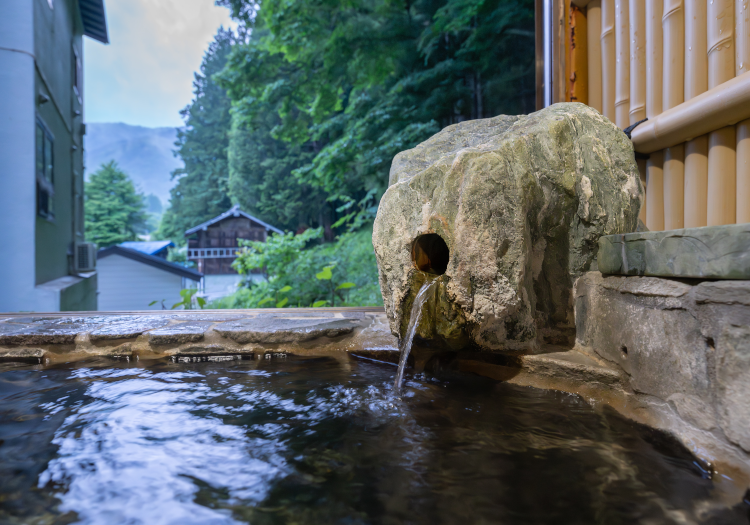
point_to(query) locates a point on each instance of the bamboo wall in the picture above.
(669, 61)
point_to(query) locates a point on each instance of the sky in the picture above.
(144, 76)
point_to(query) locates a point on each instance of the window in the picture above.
(77, 74)
(45, 174)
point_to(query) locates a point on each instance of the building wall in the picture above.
(57, 33)
(36, 57)
(17, 183)
(125, 284)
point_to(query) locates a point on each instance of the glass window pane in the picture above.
(49, 158)
(39, 151)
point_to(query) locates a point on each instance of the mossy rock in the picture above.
(520, 202)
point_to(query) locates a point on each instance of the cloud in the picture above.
(145, 75)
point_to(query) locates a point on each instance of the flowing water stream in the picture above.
(414, 317)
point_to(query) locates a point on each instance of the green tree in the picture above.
(201, 190)
(114, 211)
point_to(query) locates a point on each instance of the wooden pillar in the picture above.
(608, 59)
(696, 82)
(722, 158)
(637, 60)
(622, 67)
(594, 54)
(655, 192)
(742, 65)
(696, 182)
(654, 58)
(579, 79)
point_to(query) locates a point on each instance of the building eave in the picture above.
(150, 260)
(94, 20)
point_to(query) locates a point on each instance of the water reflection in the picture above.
(314, 441)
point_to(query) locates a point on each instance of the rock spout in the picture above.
(508, 211)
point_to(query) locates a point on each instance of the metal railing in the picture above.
(213, 253)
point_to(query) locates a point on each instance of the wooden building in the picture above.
(214, 244)
(680, 71)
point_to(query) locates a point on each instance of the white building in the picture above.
(129, 280)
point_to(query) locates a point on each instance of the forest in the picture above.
(298, 113)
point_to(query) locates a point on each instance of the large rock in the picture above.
(520, 202)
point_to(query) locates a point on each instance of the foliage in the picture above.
(187, 297)
(292, 271)
(201, 191)
(114, 212)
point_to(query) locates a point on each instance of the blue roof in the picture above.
(147, 247)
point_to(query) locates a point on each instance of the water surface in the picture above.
(320, 440)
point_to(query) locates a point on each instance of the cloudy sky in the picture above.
(145, 75)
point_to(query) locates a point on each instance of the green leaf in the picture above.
(285, 289)
(282, 303)
(324, 275)
(175, 305)
(264, 301)
(318, 304)
(201, 302)
(152, 303)
(344, 286)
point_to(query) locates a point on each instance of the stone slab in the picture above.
(712, 252)
(50, 330)
(189, 332)
(128, 328)
(280, 330)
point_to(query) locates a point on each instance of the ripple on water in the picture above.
(308, 440)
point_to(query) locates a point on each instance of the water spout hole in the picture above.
(430, 254)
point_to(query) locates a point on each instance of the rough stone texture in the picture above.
(521, 203)
(189, 332)
(23, 354)
(281, 330)
(688, 345)
(733, 378)
(128, 328)
(713, 252)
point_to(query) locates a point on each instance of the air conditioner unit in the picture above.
(84, 257)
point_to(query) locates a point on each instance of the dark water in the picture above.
(315, 440)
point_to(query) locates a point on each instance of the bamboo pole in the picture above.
(720, 42)
(742, 65)
(722, 163)
(724, 105)
(594, 54)
(642, 171)
(579, 79)
(674, 53)
(722, 157)
(637, 61)
(674, 187)
(608, 58)
(654, 58)
(622, 67)
(655, 192)
(696, 57)
(696, 182)
(696, 82)
(743, 172)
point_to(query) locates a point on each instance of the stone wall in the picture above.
(684, 345)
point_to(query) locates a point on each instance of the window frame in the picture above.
(44, 169)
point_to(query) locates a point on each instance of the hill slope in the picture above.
(145, 154)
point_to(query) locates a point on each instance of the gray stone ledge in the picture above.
(712, 252)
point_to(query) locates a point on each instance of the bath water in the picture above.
(301, 440)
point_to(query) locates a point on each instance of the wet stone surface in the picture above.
(279, 330)
(189, 332)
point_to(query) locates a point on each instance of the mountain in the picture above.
(145, 154)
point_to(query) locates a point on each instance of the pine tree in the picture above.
(114, 211)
